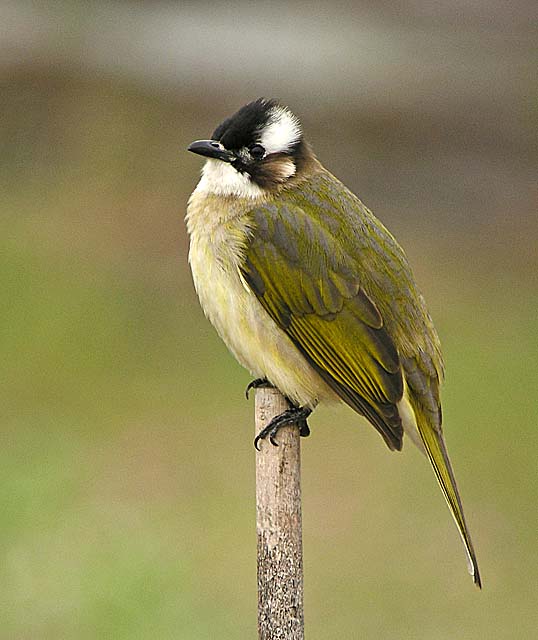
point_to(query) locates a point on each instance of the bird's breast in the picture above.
(257, 342)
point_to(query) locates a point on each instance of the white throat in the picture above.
(222, 179)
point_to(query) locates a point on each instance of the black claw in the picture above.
(304, 429)
(295, 415)
(257, 384)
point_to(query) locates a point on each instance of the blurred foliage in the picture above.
(126, 471)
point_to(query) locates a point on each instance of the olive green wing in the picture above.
(335, 280)
(312, 290)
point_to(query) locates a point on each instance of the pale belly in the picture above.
(247, 329)
(218, 236)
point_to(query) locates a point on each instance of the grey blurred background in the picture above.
(127, 467)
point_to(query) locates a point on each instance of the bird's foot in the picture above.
(295, 415)
(257, 384)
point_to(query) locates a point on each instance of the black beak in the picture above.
(211, 149)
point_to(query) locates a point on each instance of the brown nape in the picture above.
(303, 156)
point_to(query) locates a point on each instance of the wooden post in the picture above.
(278, 524)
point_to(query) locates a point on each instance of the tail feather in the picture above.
(436, 451)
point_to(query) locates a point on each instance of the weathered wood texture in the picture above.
(278, 524)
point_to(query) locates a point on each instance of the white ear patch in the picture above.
(282, 131)
(283, 170)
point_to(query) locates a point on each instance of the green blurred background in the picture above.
(127, 466)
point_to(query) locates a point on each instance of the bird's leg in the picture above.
(257, 384)
(295, 415)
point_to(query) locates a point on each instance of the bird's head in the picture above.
(257, 151)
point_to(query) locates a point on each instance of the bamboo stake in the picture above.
(278, 524)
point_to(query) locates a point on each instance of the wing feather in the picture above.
(320, 304)
(335, 280)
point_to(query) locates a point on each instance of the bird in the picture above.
(311, 293)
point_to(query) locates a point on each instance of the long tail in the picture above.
(437, 453)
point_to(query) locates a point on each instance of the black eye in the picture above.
(257, 151)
